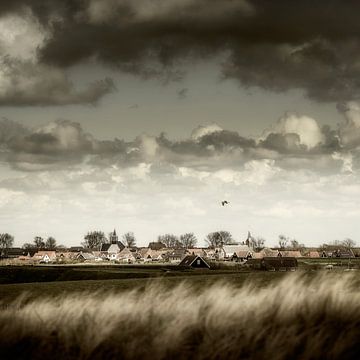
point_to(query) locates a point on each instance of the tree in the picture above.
(129, 239)
(94, 239)
(50, 243)
(348, 243)
(257, 243)
(188, 240)
(6, 241)
(28, 246)
(218, 238)
(283, 241)
(170, 240)
(39, 242)
(295, 245)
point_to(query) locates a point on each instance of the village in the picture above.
(114, 251)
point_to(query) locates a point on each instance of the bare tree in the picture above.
(39, 242)
(94, 239)
(129, 239)
(218, 238)
(28, 246)
(295, 245)
(348, 243)
(170, 240)
(50, 243)
(257, 243)
(283, 241)
(6, 241)
(188, 240)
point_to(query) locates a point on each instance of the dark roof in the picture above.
(278, 262)
(12, 252)
(189, 260)
(105, 247)
(76, 248)
(156, 245)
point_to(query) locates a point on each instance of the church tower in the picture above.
(113, 237)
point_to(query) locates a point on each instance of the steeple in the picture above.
(113, 238)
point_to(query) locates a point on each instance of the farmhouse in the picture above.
(44, 256)
(266, 252)
(85, 256)
(194, 261)
(125, 256)
(176, 255)
(235, 252)
(147, 254)
(290, 253)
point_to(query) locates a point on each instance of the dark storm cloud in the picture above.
(27, 83)
(276, 45)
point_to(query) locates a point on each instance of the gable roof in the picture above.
(190, 259)
(115, 247)
(290, 253)
(239, 250)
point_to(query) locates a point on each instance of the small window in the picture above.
(198, 261)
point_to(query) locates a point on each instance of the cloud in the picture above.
(201, 131)
(56, 144)
(349, 131)
(24, 83)
(269, 44)
(293, 132)
(293, 142)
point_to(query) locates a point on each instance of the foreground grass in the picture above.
(293, 318)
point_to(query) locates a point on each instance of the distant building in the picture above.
(44, 256)
(273, 263)
(194, 261)
(114, 247)
(156, 245)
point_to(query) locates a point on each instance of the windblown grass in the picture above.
(296, 318)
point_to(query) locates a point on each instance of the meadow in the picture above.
(253, 315)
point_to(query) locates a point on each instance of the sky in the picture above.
(144, 115)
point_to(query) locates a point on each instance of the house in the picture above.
(44, 256)
(194, 261)
(266, 252)
(12, 253)
(235, 252)
(76, 249)
(343, 253)
(176, 255)
(280, 263)
(196, 251)
(273, 263)
(212, 254)
(147, 255)
(313, 254)
(156, 245)
(290, 253)
(110, 250)
(125, 256)
(85, 256)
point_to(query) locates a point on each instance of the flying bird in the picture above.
(225, 202)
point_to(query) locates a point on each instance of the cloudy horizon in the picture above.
(144, 115)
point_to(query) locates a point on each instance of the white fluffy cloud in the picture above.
(201, 131)
(305, 127)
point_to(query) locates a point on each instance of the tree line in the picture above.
(94, 239)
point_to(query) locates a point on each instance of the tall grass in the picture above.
(296, 318)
